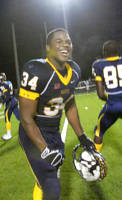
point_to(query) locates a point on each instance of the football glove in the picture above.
(86, 143)
(54, 157)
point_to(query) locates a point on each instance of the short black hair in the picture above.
(110, 48)
(51, 34)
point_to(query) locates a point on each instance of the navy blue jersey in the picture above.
(53, 88)
(109, 71)
(6, 90)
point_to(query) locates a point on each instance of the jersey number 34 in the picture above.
(32, 82)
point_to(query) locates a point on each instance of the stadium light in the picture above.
(58, 2)
(63, 4)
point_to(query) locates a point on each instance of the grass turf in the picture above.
(16, 179)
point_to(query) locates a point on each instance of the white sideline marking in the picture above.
(64, 130)
(1, 113)
(1, 117)
(63, 137)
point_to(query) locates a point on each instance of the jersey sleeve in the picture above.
(96, 71)
(30, 81)
(77, 70)
(10, 87)
(6, 91)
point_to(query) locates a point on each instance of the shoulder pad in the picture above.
(41, 60)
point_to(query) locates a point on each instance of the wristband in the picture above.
(82, 138)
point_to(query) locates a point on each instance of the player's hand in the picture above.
(86, 143)
(54, 157)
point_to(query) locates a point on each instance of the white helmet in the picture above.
(90, 165)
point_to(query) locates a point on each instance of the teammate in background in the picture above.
(47, 87)
(108, 77)
(11, 104)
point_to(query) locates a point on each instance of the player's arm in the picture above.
(101, 91)
(1, 98)
(98, 77)
(73, 118)
(28, 101)
(28, 110)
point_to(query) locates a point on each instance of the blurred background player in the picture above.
(108, 77)
(11, 104)
(47, 87)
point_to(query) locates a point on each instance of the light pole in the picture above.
(64, 14)
(15, 55)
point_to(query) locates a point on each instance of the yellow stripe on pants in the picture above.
(37, 193)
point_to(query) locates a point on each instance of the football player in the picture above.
(108, 77)
(11, 104)
(47, 87)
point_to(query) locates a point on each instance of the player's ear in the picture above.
(47, 48)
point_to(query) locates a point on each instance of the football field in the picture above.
(16, 179)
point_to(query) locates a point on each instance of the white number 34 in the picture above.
(32, 82)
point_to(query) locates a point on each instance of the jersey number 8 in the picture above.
(113, 76)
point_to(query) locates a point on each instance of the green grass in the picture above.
(16, 179)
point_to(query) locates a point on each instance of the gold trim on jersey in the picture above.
(106, 94)
(112, 58)
(98, 78)
(65, 91)
(28, 94)
(64, 80)
(5, 90)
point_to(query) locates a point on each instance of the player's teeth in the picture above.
(64, 51)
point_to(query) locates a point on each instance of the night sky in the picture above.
(90, 23)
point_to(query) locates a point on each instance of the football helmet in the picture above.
(2, 77)
(90, 165)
